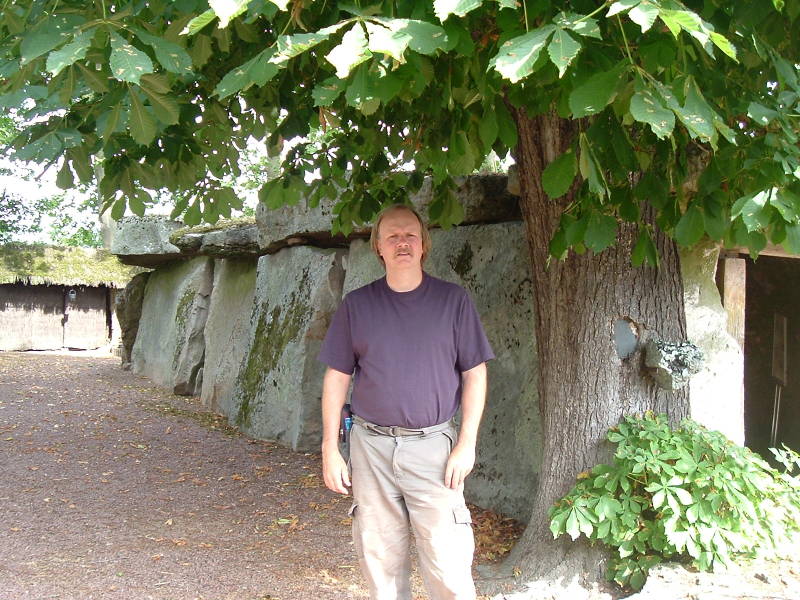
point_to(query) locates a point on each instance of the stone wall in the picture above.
(243, 331)
(717, 391)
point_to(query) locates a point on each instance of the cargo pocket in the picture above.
(358, 544)
(462, 516)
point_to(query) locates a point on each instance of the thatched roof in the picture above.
(50, 265)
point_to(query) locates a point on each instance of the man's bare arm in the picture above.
(473, 399)
(334, 395)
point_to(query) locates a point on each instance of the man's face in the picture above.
(400, 240)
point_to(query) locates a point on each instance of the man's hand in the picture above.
(334, 472)
(334, 469)
(459, 465)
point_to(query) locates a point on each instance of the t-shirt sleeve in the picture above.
(472, 346)
(337, 347)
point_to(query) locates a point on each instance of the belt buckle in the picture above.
(393, 431)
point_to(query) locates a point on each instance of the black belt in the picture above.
(396, 431)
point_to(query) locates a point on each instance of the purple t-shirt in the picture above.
(406, 350)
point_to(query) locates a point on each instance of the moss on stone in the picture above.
(181, 317)
(274, 331)
(462, 264)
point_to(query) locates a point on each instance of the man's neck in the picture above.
(404, 280)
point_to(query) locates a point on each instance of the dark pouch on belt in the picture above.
(345, 424)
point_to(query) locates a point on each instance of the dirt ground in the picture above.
(111, 487)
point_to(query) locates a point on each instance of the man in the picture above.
(417, 351)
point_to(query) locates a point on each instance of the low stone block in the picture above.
(169, 345)
(279, 384)
(227, 330)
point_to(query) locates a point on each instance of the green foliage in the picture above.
(699, 99)
(17, 218)
(686, 494)
(8, 129)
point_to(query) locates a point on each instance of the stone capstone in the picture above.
(231, 242)
(170, 345)
(484, 198)
(189, 242)
(491, 263)
(672, 364)
(278, 389)
(144, 241)
(128, 309)
(297, 223)
(227, 330)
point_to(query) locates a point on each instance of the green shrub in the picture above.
(687, 494)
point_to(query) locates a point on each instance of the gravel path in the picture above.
(112, 488)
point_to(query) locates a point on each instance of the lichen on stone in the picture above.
(672, 364)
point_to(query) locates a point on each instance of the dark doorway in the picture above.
(773, 288)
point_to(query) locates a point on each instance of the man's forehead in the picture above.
(400, 218)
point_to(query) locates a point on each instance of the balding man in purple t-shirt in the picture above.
(416, 351)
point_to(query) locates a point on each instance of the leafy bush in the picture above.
(687, 494)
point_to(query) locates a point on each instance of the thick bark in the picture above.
(585, 387)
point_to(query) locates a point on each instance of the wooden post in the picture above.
(733, 295)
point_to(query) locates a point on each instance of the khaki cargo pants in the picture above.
(397, 481)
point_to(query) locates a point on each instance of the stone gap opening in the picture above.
(626, 337)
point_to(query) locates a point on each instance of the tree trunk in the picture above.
(585, 387)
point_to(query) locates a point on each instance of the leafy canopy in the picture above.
(690, 107)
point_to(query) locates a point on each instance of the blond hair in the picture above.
(375, 234)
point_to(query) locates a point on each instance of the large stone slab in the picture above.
(279, 385)
(716, 393)
(169, 345)
(491, 262)
(227, 330)
(144, 241)
(485, 199)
